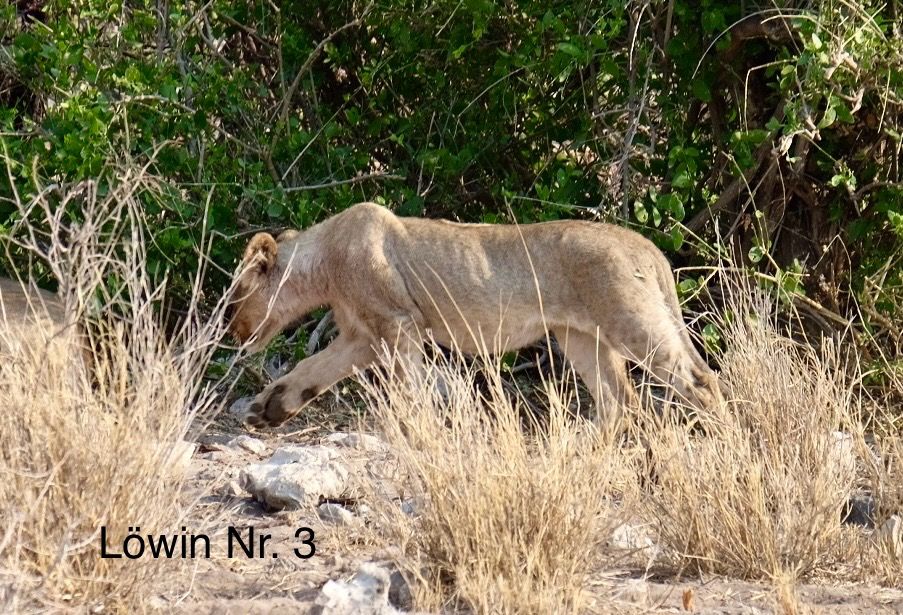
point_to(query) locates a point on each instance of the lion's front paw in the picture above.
(278, 403)
(269, 408)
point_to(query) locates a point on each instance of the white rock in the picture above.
(631, 538)
(890, 535)
(297, 476)
(336, 514)
(252, 445)
(367, 593)
(361, 441)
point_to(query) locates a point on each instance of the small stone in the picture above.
(336, 514)
(409, 507)
(365, 594)
(297, 476)
(218, 455)
(630, 538)
(240, 406)
(252, 445)
(179, 457)
(400, 592)
(232, 490)
(276, 367)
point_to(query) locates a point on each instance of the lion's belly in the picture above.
(493, 330)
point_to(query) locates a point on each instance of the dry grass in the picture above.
(760, 493)
(506, 522)
(511, 516)
(514, 517)
(86, 448)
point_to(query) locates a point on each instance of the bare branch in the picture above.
(343, 182)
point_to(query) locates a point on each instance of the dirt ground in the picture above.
(291, 585)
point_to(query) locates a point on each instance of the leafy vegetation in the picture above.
(769, 132)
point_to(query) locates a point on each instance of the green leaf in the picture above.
(701, 90)
(896, 221)
(275, 209)
(639, 210)
(571, 49)
(816, 42)
(682, 180)
(677, 237)
(685, 287)
(711, 337)
(756, 253)
(829, 117)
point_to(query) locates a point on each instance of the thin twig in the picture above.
(343, 182)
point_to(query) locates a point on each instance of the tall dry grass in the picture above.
(97, 445)
(509, 517)
(759, 491)
(512, 517)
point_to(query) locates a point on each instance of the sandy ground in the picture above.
(287, 584)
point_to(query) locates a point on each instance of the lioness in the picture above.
(606, 293)
(34, 319)
(23, 305)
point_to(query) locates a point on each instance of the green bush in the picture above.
(708, 126)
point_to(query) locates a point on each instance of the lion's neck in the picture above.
(303, 272)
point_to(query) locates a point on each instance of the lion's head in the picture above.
(257, 310)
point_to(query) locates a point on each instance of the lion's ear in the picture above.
(287, 235)
(261, 252)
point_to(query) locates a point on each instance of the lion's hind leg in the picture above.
(602, 370)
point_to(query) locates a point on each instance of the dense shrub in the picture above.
(774, 132)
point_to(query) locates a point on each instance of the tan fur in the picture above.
(606, 293)
(20, 305)
(36, 319)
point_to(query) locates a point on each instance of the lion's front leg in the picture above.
(285, 397)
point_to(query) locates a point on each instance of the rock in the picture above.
(411, 507)
(360, 441)
(297, 476)
(859, 510)
(216, 456)
(179, 457)
(630, 538)
(276, 367)
(890, 535)
(252, 445)
(400, 592)
(367, 593)
(240, 406)
(336, 514)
